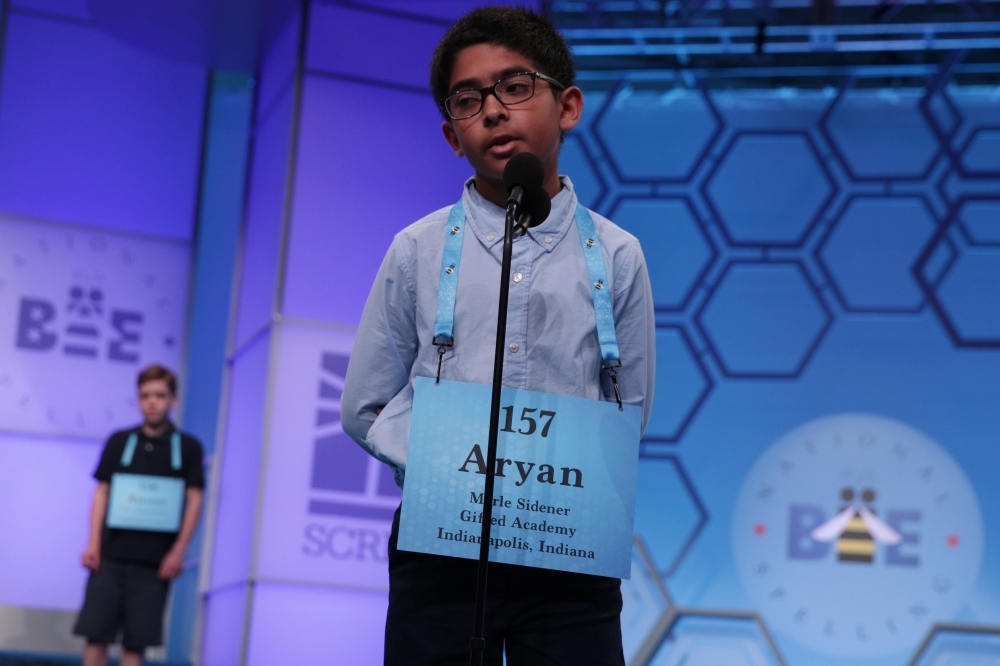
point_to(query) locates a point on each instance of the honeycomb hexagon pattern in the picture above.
(973, 311)
(980, 221)
(982, 154)
(684, 251)
(768, 189)
(682, 383)
(881, 133)
(764, 320)
(766, 218)
(662, 482)
(869, 252)
(716, 639)
(644, 600)
(956, 269)
(656, 134)
(575, 161)
(958, 645)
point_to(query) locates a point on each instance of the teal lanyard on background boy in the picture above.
(144, 501)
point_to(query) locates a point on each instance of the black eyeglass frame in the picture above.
(492, 90)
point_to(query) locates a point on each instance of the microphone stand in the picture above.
(478, 638)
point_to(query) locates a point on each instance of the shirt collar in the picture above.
(486, 219)
(164, 436)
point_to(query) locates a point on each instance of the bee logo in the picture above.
(856, 529)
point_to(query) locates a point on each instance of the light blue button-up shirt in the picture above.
(551, 343)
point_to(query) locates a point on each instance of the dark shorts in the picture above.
(537, 616)
(126, 596)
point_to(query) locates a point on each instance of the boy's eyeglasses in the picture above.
(511, 90)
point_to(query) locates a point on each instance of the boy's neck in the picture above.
(495, 192)
(156, 429)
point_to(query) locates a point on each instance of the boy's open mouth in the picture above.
(502, 145)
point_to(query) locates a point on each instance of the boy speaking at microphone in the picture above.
(503, 79)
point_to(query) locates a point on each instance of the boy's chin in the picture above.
(490, 161)
(491, 172)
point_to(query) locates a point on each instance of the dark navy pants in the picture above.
(539, 617)
(126, 596)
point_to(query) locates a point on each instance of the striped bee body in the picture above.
(856, 543)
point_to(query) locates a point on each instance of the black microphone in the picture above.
(534, 210)
(522, 177)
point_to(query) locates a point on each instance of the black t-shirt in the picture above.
(152, 456)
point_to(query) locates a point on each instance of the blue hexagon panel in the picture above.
(871, 249)
(764, 320)
(644, 601)
(769, 189)
(983, 152)
(805, 250)
(681, 385)
(575, 162)
(980, 220)
(969, 295)
(656, 135)
(961, 646)
(668, 512)
(678, 252)
(936, 264)
(882, 134)
(719, 640)
(943, 113)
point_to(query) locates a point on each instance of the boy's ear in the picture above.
(452, 138)
(570, 108)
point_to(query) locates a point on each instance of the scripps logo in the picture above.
(857, 507)
(83, 325)
(856, 532)
(352, 496)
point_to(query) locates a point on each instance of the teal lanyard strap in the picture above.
(591, 242)
(451, 258)
(599, 288)
(175, 450)
(133, 440)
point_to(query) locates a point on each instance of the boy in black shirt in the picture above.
(146, 507)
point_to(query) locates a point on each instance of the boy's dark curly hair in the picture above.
(518, 29)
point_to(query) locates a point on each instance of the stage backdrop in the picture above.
(99, 167)
(825, 262)
(121, 187)
(826, 271)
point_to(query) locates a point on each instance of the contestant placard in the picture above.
(565, 491)
(145, 502)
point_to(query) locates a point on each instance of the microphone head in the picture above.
(538, 205)
(524, 170)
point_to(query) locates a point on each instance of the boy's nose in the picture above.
(493, 109)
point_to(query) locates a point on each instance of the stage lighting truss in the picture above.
(726, 34)
(778, 39)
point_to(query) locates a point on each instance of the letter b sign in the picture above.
(802, 520)
(33, 317)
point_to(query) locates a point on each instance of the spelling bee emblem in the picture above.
(849, 507)
(856, 529)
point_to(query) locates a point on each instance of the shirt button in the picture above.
(490, 237)
(548, 239)
(517, 277)
(513, 347)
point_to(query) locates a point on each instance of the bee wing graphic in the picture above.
(834, 527)
(879, 530)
